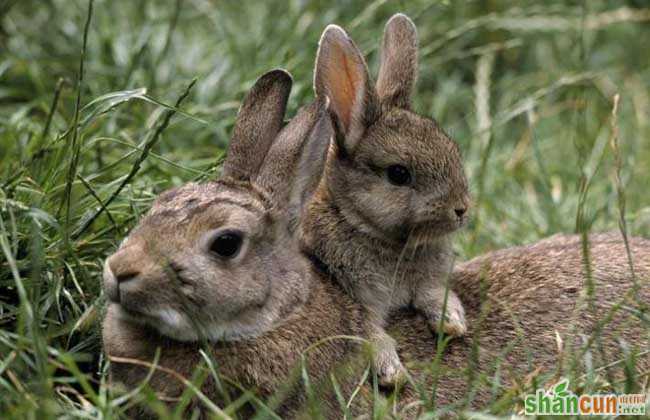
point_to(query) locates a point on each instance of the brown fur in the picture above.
(269, 365)
(530, 299)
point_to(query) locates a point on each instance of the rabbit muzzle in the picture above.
(136, 289)
(441, 221)
(124, 266)
(132, 279)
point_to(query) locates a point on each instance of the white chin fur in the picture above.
(168, 322)
(175, 325)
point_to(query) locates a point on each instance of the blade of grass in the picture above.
(74, 147)
(148, 144)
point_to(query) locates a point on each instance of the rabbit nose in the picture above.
(123, 267)
(123, 276)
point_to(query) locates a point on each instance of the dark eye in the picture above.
(227, 244)
(398, 175)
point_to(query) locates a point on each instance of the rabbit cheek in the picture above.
(385, 208)
(234, 309)
(226, 294)
(368, 199)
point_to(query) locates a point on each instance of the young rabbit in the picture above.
(216, 263)
(392, 193)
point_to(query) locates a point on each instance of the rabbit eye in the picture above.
(227, 244)
(398, 175)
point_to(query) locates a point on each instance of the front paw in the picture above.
(389, 369)
(454, 323)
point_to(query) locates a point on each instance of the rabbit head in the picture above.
(215, 261)
(395, 174)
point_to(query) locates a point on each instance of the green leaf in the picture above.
(560, 389)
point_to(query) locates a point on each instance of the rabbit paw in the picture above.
(454, 323)
(389, 369)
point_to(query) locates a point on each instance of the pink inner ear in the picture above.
(345, 77)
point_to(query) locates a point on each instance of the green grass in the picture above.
(526, 88)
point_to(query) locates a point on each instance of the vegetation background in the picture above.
(527, 88)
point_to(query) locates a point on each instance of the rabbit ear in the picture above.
(283, 156)
(258, 122)
(341, 74)
(399, 62)
(311, 165)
